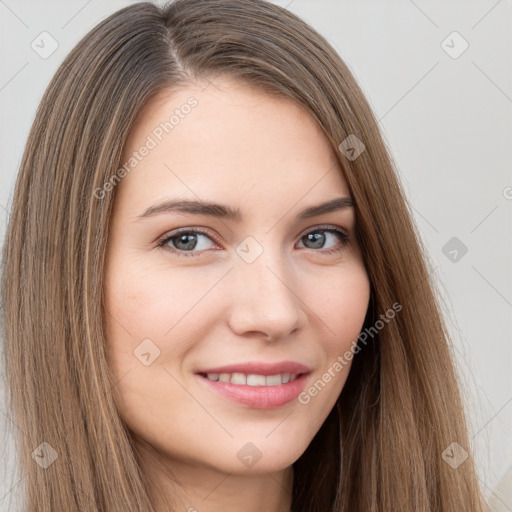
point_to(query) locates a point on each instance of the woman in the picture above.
(296, 362)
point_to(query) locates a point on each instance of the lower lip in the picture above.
(259, 397)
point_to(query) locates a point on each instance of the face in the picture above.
(266, 301)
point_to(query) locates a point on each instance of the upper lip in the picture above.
(260, 368)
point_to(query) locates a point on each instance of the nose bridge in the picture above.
(265, 299)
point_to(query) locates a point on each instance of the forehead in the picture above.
(231, 141)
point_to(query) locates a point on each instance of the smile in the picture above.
(252, 379)
(255, 390)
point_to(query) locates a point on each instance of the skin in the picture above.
(267, 156)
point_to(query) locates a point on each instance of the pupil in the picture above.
(317, 238)
(188, 244)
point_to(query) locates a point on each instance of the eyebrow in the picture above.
(199, 207)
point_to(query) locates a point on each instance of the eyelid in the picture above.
(209, 232)
(202, 230)
(188, 229)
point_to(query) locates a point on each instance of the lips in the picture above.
(257, 385)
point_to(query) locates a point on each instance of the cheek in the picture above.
(148, 331)
(341, 308)
(167, 308)
(135, 313)
(148, 302)
(343, 304)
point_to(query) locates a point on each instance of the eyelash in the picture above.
(345, 239)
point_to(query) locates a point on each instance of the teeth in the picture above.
(256, 380)
(252, 379)
(238, 378)
(274, 380)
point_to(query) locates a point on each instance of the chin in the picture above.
(263, 455)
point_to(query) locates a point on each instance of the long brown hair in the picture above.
(381, 447)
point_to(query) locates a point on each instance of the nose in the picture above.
(264, 302)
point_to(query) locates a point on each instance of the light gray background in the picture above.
(448, 124)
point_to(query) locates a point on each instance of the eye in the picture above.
(186, 242)
(317, 238)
